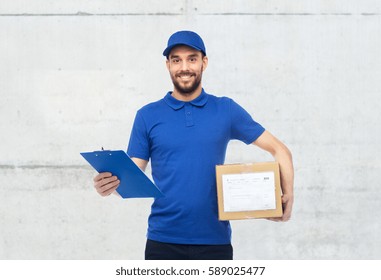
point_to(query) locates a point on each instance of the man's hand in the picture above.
(105, 183)
(287, 202)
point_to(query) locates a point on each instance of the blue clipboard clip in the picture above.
(134, 182)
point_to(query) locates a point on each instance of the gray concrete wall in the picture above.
(73, 74)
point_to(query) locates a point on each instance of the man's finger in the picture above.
(101, 176)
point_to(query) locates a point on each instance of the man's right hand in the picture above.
(105, 183)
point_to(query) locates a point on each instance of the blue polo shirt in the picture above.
(185, 141)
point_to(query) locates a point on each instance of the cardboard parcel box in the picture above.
(247, 191)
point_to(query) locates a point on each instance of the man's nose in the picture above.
(184, 66)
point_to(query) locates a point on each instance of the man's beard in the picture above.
(190, 87)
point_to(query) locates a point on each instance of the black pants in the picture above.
(169, 251)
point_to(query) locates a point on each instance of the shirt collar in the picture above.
(178, 104)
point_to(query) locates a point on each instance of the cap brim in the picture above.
(167, 51)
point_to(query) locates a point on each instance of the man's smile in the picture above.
(185, 76)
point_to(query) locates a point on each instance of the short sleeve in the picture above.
(139, 142)
(243, 126)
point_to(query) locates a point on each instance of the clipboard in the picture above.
(133, 181)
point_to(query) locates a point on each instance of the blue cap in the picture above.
(187, 38)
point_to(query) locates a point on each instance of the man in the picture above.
(185, 136)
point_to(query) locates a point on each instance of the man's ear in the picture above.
(204, 63)
(167, 63)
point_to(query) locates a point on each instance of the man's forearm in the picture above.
(284, 158)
